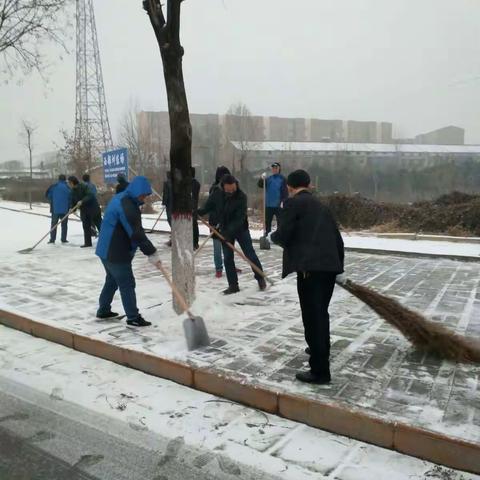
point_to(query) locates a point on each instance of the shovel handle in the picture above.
(136, 174)
(55, 226)
(178, 296)
(224, 240)
(202, 245)
(158, 218)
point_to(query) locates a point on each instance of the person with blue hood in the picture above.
(59, 196)
(121, 234)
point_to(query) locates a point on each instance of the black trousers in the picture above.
(245, 241)
(315, 291)
(196, 233)
(271, 212)
(89, 217)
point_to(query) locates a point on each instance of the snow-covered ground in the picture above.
(258, 335)
(212, 434)
(443, 246)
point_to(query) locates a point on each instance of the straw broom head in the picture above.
(422, 333)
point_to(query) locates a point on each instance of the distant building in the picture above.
(450, 135)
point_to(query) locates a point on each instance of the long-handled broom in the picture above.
(28, 250)
(238, 252)
(194, 326)
(422, 333)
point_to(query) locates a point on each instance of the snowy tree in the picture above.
(167, 32)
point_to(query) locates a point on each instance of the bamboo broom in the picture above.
(422, 333)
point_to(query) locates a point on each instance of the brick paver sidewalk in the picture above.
(258, 336)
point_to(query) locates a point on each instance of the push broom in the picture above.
(421, 332)
(28, 250)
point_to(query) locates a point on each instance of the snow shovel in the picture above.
(28, 250)
(194, 327)
(224, 240)
(264, 243)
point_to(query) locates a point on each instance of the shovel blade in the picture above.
(264, 243)
(196, 333)
(25, 250)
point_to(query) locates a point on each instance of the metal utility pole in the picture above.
(92, 129)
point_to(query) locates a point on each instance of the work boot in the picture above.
(310, 377)
(51, 241)
(85, 246)
(231, 289)
(262, 284)
(65, 241)
(107, 315)
(139, 322)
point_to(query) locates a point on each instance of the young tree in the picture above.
(243, 128)
(24, 26)
(27, 136)
(167, 32)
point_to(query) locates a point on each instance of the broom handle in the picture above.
(224, 240)
(202, 245)
(178, 296)
(158, 218)
(56, 225)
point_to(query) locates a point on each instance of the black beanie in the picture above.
(298, 179)
(221, 171)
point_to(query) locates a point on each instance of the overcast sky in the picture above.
(415, 63)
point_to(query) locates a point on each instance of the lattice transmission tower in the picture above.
(92, 129)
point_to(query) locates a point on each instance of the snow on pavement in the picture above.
(249, 438)
(258, 336)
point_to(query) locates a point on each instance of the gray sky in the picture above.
(415, 63)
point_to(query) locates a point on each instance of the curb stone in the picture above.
(417, 442)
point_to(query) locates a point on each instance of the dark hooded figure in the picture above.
(195, 197)
(234, 228)
(313, 249)
(89, 208)
(213, 207)
(121, 234)
(122, 183)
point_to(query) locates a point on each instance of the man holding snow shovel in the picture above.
(312, 247)
(120, 235)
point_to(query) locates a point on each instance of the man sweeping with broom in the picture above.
(312, 247)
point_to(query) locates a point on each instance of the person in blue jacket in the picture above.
(59, 196)
(121, 234)
(277, 192)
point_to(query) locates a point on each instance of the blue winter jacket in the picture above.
(59, 195)
(121, 232)
(276, 190)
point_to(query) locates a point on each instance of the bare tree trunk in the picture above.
(168, 38)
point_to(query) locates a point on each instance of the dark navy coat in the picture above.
(122, 232)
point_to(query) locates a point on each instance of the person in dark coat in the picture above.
(234, 227)
(313, 248)
(59, 196)
(122, 183)
(96, 212)
(195, 197)
(276, 194)
(120, 236)
(213, 207)
(87, 202)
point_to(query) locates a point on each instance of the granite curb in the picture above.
(417, 442)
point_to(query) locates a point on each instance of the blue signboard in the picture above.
(115, 162)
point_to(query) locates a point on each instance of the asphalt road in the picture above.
(43, 439)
